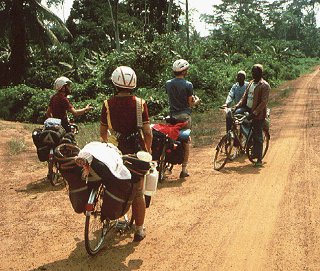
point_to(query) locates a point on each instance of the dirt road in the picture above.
(241, 218)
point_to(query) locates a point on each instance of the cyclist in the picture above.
(181, 100)
(234, 96)
(255, 100)
(59, 103)
(119, 114)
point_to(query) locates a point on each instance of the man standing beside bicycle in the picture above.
(254, 101)
(120, 115)
(234, 96)
(181, 99)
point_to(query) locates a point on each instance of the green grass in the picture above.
(16, 146)
(88, 132)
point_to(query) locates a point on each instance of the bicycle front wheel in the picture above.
(223, 151)
(96, 228)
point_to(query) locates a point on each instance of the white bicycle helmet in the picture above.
(60, 82)
(124, 77)
(180, 65)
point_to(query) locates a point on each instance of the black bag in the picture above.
(36, 137)
(158, 142)
(79, 191)
(43, 153)
(52, 136)
(129, 143)
(175, 156)
(118, 194)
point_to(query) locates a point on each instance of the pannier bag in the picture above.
(79, 191)
(44, 139)
(175, 155)
(158, 142)
(52, 136)
(118, 195)
(43, 153)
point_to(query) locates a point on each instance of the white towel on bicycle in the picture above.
(108, 154)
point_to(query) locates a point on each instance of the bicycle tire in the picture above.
(163, 165)
(222, 153)
(96, 229)
(53, 175)
(249, 149)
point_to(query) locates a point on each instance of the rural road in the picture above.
(241, 218)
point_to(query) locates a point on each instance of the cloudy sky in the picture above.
(197, 7)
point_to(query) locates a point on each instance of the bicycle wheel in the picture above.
(96, 228)
(163, 166)
(223, 151)
(54, 175)
(249, 149)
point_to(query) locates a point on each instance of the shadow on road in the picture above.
(111, 257)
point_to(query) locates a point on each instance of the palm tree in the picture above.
(23, 22)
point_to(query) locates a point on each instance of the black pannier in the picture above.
(44, 139)
(52, 136)
(118, 194)
(175, 155)
(158, 142)
(79, 191)
(43, 153)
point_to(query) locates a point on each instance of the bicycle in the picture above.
(166, 151)
(97, 224)
(53, 174)
(238, 140)
(97, 228)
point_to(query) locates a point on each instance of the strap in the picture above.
(108, 114)
(139, 108)
(139, 112)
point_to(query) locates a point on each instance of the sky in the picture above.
(197, 7)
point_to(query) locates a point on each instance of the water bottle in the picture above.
(151, 180)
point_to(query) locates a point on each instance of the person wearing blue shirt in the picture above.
(181, 99)
(234, 96)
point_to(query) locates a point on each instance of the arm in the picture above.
(79, 112)
(146, 129)
(104, 132)
(49, 112)
(230, 97)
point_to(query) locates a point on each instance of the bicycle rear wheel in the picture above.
(163, 166)
(96, 228)
(223, 151)
(265, 147)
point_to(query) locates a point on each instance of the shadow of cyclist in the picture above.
(111, 257)
(40, 186)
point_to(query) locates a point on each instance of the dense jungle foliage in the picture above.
(36, 47)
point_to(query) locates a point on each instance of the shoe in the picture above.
(184, 174)
(139, 236)
(258, 164)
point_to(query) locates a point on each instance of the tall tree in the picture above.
(21, 23)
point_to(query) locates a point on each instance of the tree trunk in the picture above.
(187, 24)
(18, 43)
(169, 24)
(114, 17)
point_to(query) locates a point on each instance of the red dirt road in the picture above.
(241, 218)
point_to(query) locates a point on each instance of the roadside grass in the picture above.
(88, 132)
(16, 146)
